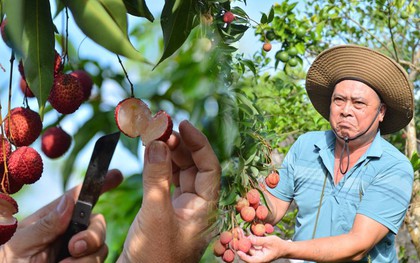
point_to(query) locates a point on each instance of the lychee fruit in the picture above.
(258, 229)
(55, 142)
(21, 69)
(267, 46)
(218, 248)
(228, 256)
(272, 179)
(23, 126)
(248, 214)
(8, 185)
(234, 243)
(244, 245)
(261, 212)
(8, 223)
(134, 118)
(253, 196)
(225, 237)
(66, 94)
(228, 17)
(241, 203)
(269, 228)
(58, 64)
(25, 88)
(85, 80)
(25, 165)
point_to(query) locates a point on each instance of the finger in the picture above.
(90, 240)
(99, 256)
(157, 175)
(112, 180)
(207, 181)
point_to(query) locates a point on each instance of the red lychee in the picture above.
(22, 126)
(267, 46)
(21, 69)
(134, 118)
(234, 243)
(58, 64)
(225, 237)
(66, 94)
(25, 165)
(244, 245)
(241, 203)
(5, 150)
(228, 256)
(248, 214)
(218, 248)
(228, 17)
(25, 88)
(258, 229)
(261, 212)
(55, 142)
(253, 196)
(272, 179)
(7, 184)
(269, 228)
(8, 224)
(85, 80)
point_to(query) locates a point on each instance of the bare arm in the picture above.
(352, 246)
(277, 207)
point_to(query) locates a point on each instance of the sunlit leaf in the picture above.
(138, 8)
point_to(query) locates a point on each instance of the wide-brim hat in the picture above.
(375, 69)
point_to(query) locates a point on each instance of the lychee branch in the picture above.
(126, 75)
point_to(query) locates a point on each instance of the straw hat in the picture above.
(376, 70)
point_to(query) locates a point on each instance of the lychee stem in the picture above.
(126, 75)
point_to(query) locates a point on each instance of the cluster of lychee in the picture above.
(253, 212)
(21, 164)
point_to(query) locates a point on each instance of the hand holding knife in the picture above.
(91, 189)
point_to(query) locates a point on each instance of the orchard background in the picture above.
(180, 56)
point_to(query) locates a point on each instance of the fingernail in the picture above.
(80, 247)
(157, 152)
(62, 205)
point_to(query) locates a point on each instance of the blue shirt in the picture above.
(378, 186)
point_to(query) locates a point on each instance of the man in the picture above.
(352, 188)
(164, 230)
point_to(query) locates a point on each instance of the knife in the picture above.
(91, 189)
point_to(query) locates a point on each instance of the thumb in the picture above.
(37, 236)
(157, 175)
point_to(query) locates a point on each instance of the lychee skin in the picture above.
(55, 142)
(25, 88)
(8, 224)
(225, 237)
(66, 94)
(253, 197)
(228, 256)
(228, 17)
(8, 185)
(58, 64)
(248, 214)
(241, 203)
(85, 80)
(23, 126)
(132, 116)
(262, 212)
(269, 228)
(244, 245)
(272, 179)
(218, 248)
(5, 151)
(258, 229)
(25, 165)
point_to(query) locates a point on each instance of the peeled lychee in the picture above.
(8, 224)
(225, 237)
(228, 17)
(262, 212)
(25, 165)
(272, 179)
(22, 126)
(244, 245)
(66, 94)
(55, 142)
(134, 118)
(248, 214)
(85, 80)
(253, 197)
(228, 256)
(218, 248)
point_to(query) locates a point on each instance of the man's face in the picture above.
(353, 108)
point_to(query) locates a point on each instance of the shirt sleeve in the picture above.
(388, 195)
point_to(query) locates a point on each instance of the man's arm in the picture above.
(277, 208)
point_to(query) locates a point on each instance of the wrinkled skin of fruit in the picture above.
(8, 224)
(23, 126)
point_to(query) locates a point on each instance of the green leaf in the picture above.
(32, 33)
(179, 17)
(138, 8)
(104, 27)
(117, 12)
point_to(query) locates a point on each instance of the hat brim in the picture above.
(376, 70)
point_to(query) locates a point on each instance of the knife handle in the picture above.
(72, 230)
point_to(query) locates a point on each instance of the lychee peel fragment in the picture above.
(8, 224)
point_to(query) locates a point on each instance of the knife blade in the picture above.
(91, 189)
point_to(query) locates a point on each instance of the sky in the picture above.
(49, 186)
